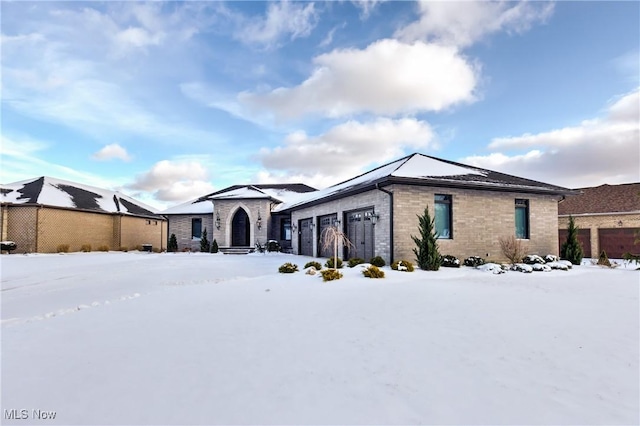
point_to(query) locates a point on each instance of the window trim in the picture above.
(447, 200)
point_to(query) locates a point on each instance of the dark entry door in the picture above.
(240, 229)
(360, 233)
(305, 237)
(325, 222)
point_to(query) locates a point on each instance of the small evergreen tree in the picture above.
(173, 243)
(214, 246)
(426, 252)
(205, 245)
(571, 249)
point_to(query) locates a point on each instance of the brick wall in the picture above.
(181, 226)
(136, 231)
(58, 226)
(480, 218)
(21, 228)
(227, 208)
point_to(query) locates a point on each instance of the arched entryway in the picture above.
(240, 229)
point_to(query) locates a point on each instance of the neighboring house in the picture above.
(41, 214)
(237, 217)
(473, 208)
(608, 217)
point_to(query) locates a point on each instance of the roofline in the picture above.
(391, 180)
(155, 216)
(599, 214)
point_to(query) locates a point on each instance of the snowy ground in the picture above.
(144, 338)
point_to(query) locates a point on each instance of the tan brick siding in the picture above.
(42, 229)
(480, 218)
(595, 222)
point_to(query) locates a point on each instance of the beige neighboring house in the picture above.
(473, 208)
(42, 213)
(608, 217)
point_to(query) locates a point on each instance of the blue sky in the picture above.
(170, 101)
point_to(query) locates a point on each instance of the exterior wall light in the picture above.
(374, 218)
(259, 221)
(217, 220)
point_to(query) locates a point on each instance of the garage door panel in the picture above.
(584, 238)
(618, 241)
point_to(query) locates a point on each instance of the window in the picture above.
(443, 216)
(522, 219)
(285, 229)
(196, 228)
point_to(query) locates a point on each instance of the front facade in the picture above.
(45, 213)
(608, 218)
(472, 209)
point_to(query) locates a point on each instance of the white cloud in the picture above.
(282, 19)
(463, 23)
(387, 77)
(174, 181)
(343, 151)
(367, 6)
(110, 152)
(597, 151)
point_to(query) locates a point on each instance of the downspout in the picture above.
(390, 219)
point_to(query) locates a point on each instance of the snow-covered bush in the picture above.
(311, 271)
(551, 258)
(63, 248)
(330, 274)
(377, 261)
(449, 261)
(334, 261)
(373, 272)
(492, 267)
(474, 261)
(402, 265)
(522, 267)
(288, 268)
(541, 267)
(562, 265)
(532, 259)
(313, 264)
(273, 245)
(86, 248)
(355, 261)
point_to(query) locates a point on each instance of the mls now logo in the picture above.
(23, 414)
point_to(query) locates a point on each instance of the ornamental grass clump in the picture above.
(63, 248)
(377, 261)
(330, 274)
(315, 264)
(334, 263)
(402, 265)
(354, 261)
(373, 272)
(288, 268)
(85, 248)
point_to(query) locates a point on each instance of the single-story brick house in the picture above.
(473, 208)
(237, 217)
(42, 213)
(608, 217)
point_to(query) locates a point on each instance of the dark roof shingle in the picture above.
(623, 198)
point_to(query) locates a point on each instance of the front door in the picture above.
(240, 229)
(305, 237)
(325, 222)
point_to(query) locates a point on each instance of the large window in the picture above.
(285, 229)
(522, 219)
(443, 216)
(196, 228)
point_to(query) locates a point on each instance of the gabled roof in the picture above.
(278, 192)
(53, 192)
(420, 169)
(603, 199)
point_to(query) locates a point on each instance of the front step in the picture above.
(237, 250)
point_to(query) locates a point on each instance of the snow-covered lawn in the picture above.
(144, 338)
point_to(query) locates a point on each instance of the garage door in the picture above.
(584, 237)
(323, 223)
(305, 237)
(618, 241)
(360, 233)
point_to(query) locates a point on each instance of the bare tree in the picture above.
(332, 237)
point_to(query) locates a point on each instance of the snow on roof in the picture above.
(195, 206)
(423, 169)
(54, 192)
